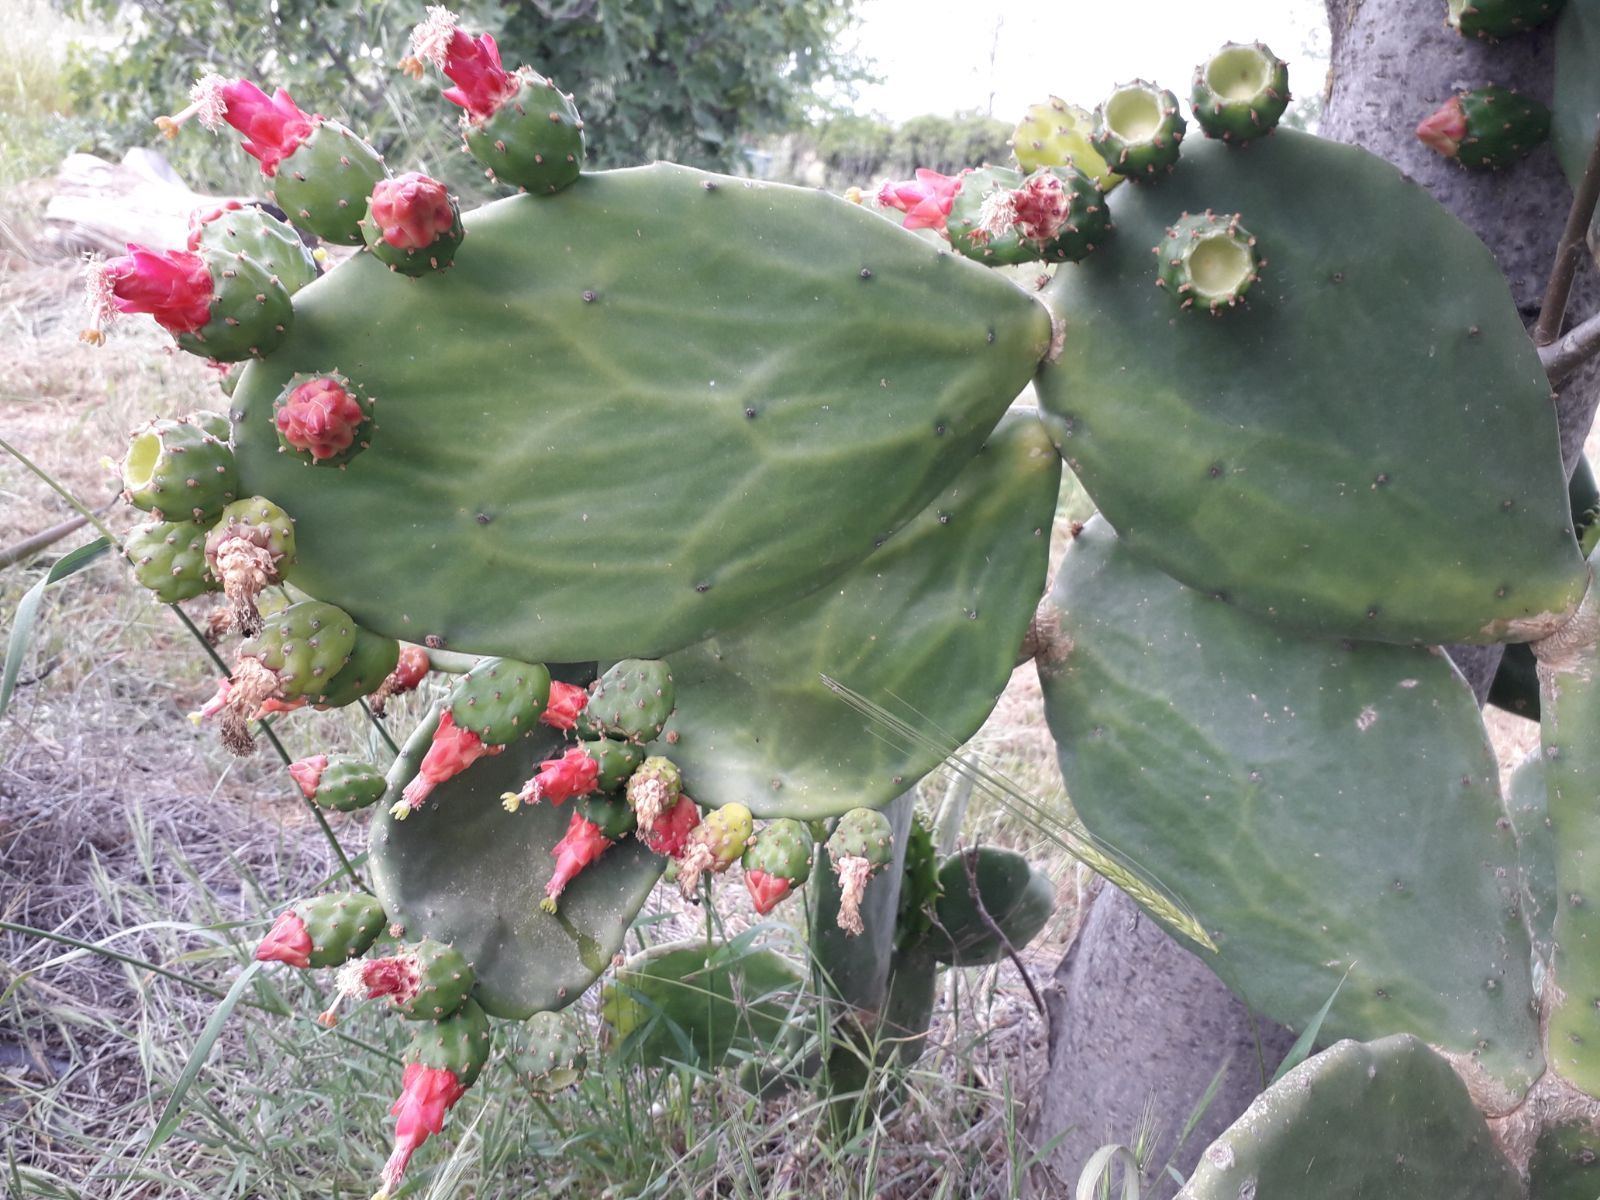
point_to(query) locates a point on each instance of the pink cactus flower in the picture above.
(286, 942)
(173, 286)
(671, 833)
(1444, 130)
(925, 200)
(582, 844)
(452, 751)
(427, 1094)
(412, 210)
(766, 890)
(575, 773)
(321, 418)
(273, 126)
(567, 700)
(308, 774)
(482, 85)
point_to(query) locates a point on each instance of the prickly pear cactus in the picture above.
(169, 558)
(1240, 92)
(500, 699)
(553, 1055)
(177, 471)
(1055, 133)
(1016, 900)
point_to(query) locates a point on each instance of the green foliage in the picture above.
(862, 150)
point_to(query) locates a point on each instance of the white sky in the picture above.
(935, 55)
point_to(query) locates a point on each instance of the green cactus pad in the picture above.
(1137, 131)
(253, 231)
(444, 979)
(250, 311)
(759, 466)
(169, 558)
(463, 870)
(324, 184)
(1328, 811)
(1240, 92)
(1285, 459)
(1528, 806)
(178, 471)
(348, 784)
(214, 423)
(1499, 18)
(618, 761)
(632, 700)
(551, 1055)
(1207, 262)
(1385, 1119)
(1087, 222)
(928, 627)
(782, 848)
(1056, 133)
(1575, 105)
(1017, 899)
(700, 1003)
(500, 699)
(306, 644)
(535, 141)
(328, 453)
(341, 925)
(459, 1043)
(1565, 1163)
(371, 659)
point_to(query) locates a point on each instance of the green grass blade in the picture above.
(1301, 1050)
(28, 610)
(167, 1124)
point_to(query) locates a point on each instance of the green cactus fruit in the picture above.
(551, 1054)
(1017, 901)
(850, 969)
(1386, 1118)
(1328, 811)
(214, 423)
(169, 558)
(1575, 105)
(341, 925)
(1137, 131)
(305, 646)
(535, 141)
(777, 860)
(371, 660)
(466, 872)
(1486, 129)
(1528, 806)
(569, 559)
(1408, 552)
(1240, 92)
(948, 597)
(500, 699)
(323, 420)
(653, 789)
(249, 547)
(413, 224)
(632, 701)
(611, 815)
(1055, 214)
(424, 981)
(618, 762)
(247, 229)
(458, 1043)
(714, 845)
(1207, 262)
(324, 184)
(1499, 18)
(1565, 1163)
(859, 846)
(177, 471)
(250, 311)
(1054, 134)
(701, 1003)
(339, 782)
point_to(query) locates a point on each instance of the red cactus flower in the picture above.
(452, 751)
(286, 942)
(1444, 130)
(308, 774)
(320, 417)
(173, 286)
(567, 700)
(582, 844)
(671, 832)
(412, 210)
(925, 200)
(559, 779)
(766, 890)
(273, 126)
(427, 1094)
(482, 85)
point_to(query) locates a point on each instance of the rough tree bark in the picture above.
(1137, 1020)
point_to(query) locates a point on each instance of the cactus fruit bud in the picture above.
(500, 699)
(246, 550)
(451, 752)
(1055, 214)
(413, 224)
(567, 700)
(323, 931)
(1487, 128)
(408, 674)
(442, 1062)
(371, 660)
(237, 228)
(654, 789)
(714, 845)
(670, 837)
(339, 783)
(1056, 134)
(584, 842)
(1208, 261)
(632, 700)
(925, 200)
(1240, 92)
(1499, 18)
(778, 858)
(1137, 130)
(169, 558)
(322, 418)
(424, 982)
(858, 848)
(555, 1057)
(575, 773)
(173, 286)
(296, 651)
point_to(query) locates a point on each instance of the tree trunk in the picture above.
(1136, 1020)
